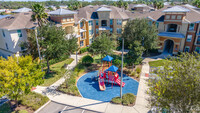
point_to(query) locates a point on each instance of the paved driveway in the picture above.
(54, 107)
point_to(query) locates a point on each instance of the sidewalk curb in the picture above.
(39, 109)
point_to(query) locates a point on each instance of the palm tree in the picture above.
(114, 4)
(120, 3)
(126, 5)
(39, 14)
(197, 3)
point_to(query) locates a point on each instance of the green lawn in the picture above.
(56, 73)
(157, 63)
(5, 108)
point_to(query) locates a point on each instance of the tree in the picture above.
(135, 54)
(176, 86)
(102, 45)
(120, 3)
(39, 14)
(142, 31)
(18, 76)
(54, 43)
(114, 4)
(50, 8)
(196, 3)
(126, 5)
(87, 60)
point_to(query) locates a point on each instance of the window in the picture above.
(22, 48)
(111, 22)
(104, 23)
(172, 28)
(173, 17)
(81, 24)
(90, 32)
(150, 23)
(198, 40)
(191, 27)
(189, 38)
(119, 22)
(7, 46)
(197, 49)
(119, 30)
(90, 23)
(187, 49)
(82, 35)
(19, 33)
(111, 30)
(3, 33)
(157, 24)
(167, 17)
(97, 22)
(97, 31)
(81, 43)
(179, 17)
(90, 41)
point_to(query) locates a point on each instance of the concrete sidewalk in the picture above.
(99, 106)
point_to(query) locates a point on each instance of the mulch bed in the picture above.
(20, 107)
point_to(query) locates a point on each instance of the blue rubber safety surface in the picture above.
(89, 88)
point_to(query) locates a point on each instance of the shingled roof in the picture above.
(61, 12)
(90, 12)
(17, 21)
(22, 10)
(158, 15)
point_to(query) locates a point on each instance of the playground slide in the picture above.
(102, 86)
(118, 81)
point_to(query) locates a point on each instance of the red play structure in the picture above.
(108, 74)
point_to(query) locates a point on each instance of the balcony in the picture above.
(103, 28)
(171, 34)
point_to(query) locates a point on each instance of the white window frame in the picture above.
(189, 38)
(81, 44)
(167, 17)
(179, 17)
(173, 17)
(119, 22)
(191, 28)
(119, 30)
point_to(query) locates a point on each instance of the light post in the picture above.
(122, 68)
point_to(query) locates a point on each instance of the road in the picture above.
(54, 107)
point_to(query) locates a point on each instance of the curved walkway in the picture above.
(141, 105)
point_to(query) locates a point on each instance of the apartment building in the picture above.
(178, 28)
(13, 31)
(88, 22)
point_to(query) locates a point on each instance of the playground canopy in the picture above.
(107, 58)
(112, 68)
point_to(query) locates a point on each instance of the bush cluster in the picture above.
(69, 86)
(87, 60)
(127, 99)
(83, 50)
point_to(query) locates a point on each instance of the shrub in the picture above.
(128, 99)
(83, 50)
(133, 74)
(5, 108)
(138, 70)
(116, 100)
(88, 60)
(20, 111)
(69, 86)
(33, 100)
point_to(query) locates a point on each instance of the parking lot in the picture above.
(54, 107)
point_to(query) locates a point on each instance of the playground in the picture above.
(104, 84)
